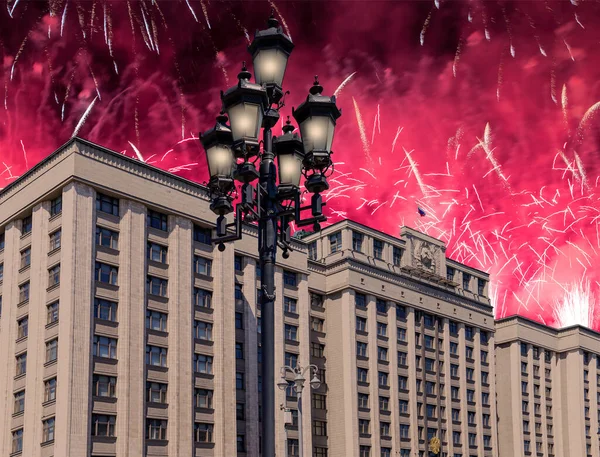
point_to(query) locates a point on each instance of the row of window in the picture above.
(48, 427)
(335, 245)
(51, 356)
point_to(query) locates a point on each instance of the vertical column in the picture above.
(462, 369)
(393, 378)
(557, 406)
(181, 349)
(342, 401)
(74, 369)
(224, 361)
(280, 433)
(516, 399)
(593, 401)
(543, 401)
(36, 352)
(448, 387)
(131, 344)
(572, 397)
(412, 380)
(493, 404)
(8, 333)
(251, 344)
(478, 392)
(373, 375)
(304, 360)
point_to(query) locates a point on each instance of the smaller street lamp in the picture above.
(290, 156)
(298, 384)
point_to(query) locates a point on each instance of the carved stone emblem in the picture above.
(425, 256)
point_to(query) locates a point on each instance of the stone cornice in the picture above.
(399, 279)
(135, 167)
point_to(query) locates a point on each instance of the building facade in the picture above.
(124, 333)
(548, 393)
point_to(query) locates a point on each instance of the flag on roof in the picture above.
(421, 211)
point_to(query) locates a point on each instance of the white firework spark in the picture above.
(576, 307)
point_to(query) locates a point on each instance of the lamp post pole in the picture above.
(267, 248)
(298, 384)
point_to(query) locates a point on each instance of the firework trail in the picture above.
(158, 75)
(576, 307)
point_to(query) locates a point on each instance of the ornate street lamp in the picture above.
(298, 385)
(231, 152)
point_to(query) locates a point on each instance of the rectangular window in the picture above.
(202, 266)
(466, 281)
(156, 392)
(453, 328)
(397, 256)
(21, 361)
(107, 238)
(377, 249)
(204, 398)
(105, 309)
(430, 388)
(103, 425)
(312, 250)
(470, 395)
(384, 404)
(361, 349)
(107, 204)
(19, 405)
(382, 354)
(363, 401)
(291, 360)
(381, 329)
(203, 364)
(157, 253)
(26, 225)
(238, 262)
(292, 448)
(319, 428)
(317, 324)
(469, 352)
(156, 220)
(361, 324)
(104, 386)
(381, 306)
(202, 298)
(202, 235)
(402, 356)
(156, 321)
(203, 330)
(105, 347)
(156, 429)
(22, 328)
(1, 272)
(401, 334)
(480, 286)
(362, 374)
(290, 305)
(156, 286)
(52, 350)
(25, 258)
(319, 401)
(17, 440)
(360, 300)
(291, 332)
(240, 382)
(54, 276)
(50, 390)
(55, 239)
(469, 333)
(335, 242)
(429, 341)
(402, 382)
(156, 356)
(105, 273)
(383, 379)
(363, 426)
(56, 206)
(290, 278)
(2, 241)
(239, 320)
(320, 451)
(239, 351)
(240, 411)
(357, 241)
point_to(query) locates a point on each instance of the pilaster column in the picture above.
(251, 366)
